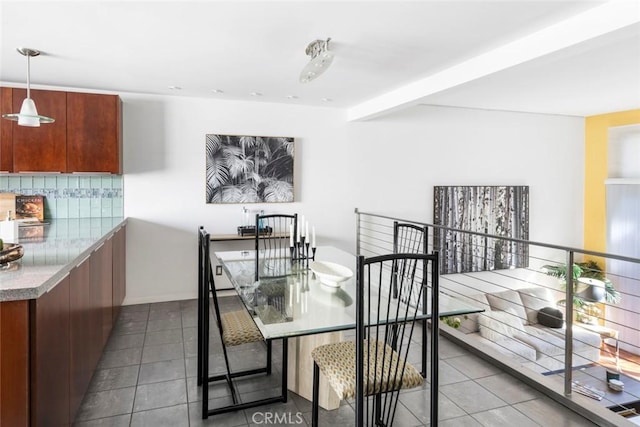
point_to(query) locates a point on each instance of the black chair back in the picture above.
(384, 319)
(409, 238)
(273, 258)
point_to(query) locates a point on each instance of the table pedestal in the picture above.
(300, 369)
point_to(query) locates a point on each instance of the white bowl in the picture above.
(330, 273)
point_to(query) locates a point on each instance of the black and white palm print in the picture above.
(249, 169)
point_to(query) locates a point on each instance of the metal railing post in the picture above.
(568, 345)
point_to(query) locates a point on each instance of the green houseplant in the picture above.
(588, 269)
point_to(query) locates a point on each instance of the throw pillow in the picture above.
(550, 317)
(505, 300)
(498, 325)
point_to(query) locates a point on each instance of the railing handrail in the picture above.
(510, 239)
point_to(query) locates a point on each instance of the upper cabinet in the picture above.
(93, 133)
(86, 136)
(41, 149)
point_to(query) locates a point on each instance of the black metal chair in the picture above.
(273, 257)
(412, 239)
(235, 328)
(374, 367)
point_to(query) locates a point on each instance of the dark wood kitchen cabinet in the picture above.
(6, 131)
(14, 363)
(84, 343)
(50, 365)
(85, 137)
(50, 346)
(102, 284)
(41, 149)
(119, 269)
(94, 141)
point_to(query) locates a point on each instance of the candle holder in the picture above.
(300, 252)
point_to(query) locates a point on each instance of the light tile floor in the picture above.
(146, 377)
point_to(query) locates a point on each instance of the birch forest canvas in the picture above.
(249, 169)
(489, 210)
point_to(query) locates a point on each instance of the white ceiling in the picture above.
(384, 50)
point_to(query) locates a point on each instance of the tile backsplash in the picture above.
(71, 196)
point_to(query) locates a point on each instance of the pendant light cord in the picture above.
(29, 76)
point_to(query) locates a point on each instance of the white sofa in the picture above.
(510, 326)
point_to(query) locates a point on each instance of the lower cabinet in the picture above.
(14, 363)
(84, 345)
(50, 346)
(50, 365)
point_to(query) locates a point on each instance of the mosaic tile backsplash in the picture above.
(71, 196)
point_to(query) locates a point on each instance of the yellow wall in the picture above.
(596, 165)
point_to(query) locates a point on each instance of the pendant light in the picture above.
(28, 115)
(321, 58)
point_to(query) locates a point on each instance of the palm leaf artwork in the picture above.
(249, 169)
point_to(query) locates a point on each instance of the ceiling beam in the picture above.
(595, 22)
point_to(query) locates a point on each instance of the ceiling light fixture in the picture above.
(321, 58)
(28, 115)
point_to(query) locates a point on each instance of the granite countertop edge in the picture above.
(34, 292)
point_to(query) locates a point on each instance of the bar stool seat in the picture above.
(239, 328)
(337, 362)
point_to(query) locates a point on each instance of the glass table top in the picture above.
(295, 302)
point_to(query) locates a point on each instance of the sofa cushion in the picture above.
(582, 339)
(545, 343)
(469, 322)
(551, 317)
(533, 299)
(505, 300)
(516, 350)
(550, 342)
(499, 325)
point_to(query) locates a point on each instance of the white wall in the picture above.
(389, 166)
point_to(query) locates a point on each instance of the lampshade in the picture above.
(321, 58)
(28, 115)
(591, 290)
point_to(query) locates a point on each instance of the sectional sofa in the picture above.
(510, 324)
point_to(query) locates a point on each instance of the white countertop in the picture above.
(47, 259)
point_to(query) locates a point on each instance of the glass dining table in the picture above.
(295, 305)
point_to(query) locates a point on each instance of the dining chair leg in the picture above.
(424, 349)
(316, 393)
(285, 370)
(269, 357)
(229, 378)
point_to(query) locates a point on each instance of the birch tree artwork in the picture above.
(492, 212)
(249, 169)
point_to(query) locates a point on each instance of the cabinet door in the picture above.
(119, 270)
(50, 357)
(93, 133)
(14, 363)
(85, 345)
(102, 287)
(41, 149)
(6, 131)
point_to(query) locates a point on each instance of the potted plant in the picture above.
(589, 269)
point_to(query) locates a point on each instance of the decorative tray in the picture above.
(11, 252)
(330, 273)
